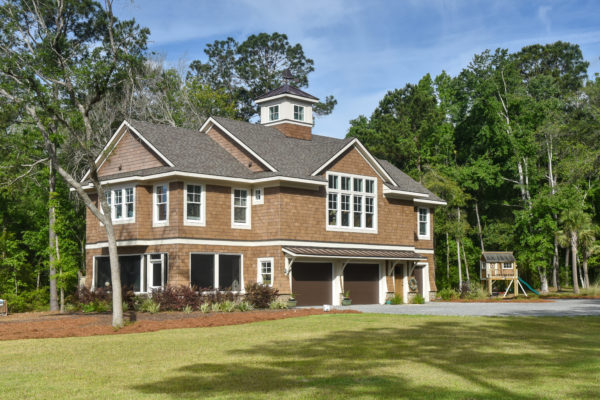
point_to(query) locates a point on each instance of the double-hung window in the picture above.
(423, 221)
(161, 204)
(121, 202)
(240, 208)
(273, 113)
(299, 113)
(265, 271)
(195, 205)
(351, 204)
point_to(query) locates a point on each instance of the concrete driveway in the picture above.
(555, 308)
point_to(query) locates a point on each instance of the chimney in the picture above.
(288, 109)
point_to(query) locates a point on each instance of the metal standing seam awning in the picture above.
(343, 253)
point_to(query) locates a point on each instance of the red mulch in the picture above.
(52, 325)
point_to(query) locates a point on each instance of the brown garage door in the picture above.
(311, 283)
(362, 280)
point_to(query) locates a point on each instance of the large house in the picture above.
(236, 203)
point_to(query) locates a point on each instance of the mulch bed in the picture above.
(53, 325)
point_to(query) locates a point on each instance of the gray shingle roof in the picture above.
(498, 256)
(196, 152)
(287, 89)
(404, 181)
(291, 157)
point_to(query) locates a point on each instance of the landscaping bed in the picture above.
(53, 325)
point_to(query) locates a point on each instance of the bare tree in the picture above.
(58, 61)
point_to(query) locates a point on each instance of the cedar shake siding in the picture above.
(130, 154)
(294, 130)
(240, 154)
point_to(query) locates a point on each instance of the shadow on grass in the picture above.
(500, 358)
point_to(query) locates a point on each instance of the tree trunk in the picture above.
(447, 259)
(580, 272)
(62, 290)
(567, 258)
(479, 227)
(555, 280)
(52, 260)
(459, 266)
(462, 245)
(574, 261)
(586, 278)
(543, 280)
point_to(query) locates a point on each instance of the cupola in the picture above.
(288, 109)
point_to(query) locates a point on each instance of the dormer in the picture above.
(289, 110)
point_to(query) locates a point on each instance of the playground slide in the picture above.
(528, 287)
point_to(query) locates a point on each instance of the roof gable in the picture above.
(133, 141)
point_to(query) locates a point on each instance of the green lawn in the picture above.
(328, 356)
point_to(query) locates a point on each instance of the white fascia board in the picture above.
(250, 243)
(123, 125)
(365, 153)
(430, 202)
(292, 96)
(170, 174)
(287, 121)
(211, 120)
(403, 193)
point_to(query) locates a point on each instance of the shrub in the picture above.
(278, 305)
(188, 309)
(260, 296)
(418, 299)
(244, 306)
(150, 306)
(96, 306)
(176, 298)
(227, 306)
(212, 296)
(34, 300)
(397, 299)
(448, 294)
(215, 307)
(205, 308)
(84, 296)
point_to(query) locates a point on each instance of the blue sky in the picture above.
(362, 49)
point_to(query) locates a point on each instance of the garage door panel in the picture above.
(362, 280)
(311, 283)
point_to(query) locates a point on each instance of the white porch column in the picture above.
(336, 290)
(405, 283)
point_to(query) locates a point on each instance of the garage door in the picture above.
(311, 283)
(362, 280)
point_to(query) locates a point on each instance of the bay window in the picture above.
(351, 206)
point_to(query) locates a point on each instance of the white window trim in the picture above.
(155, 221)
(339, 191)
(294, 111)
(262, 196)
(216, 268)
(149, 270)
(202, 220)
(505, 267)
(143, 268)
(259, 269)
(428, 236)
(120, 221)
(271, 107)
(247, 224)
